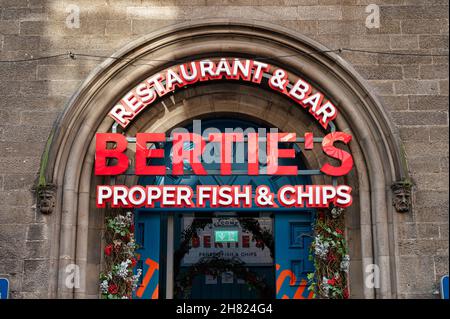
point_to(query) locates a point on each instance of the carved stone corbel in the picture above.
(46, 195)
(401, 196)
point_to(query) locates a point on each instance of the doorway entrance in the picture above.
(224, 256)
(225, 253)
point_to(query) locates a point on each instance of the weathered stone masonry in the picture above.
(413, 90)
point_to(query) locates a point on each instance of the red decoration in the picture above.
(113, 289)
(346, 293)
(331, 257)
(108, 250)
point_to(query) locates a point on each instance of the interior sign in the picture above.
(226, 236)
(217, 239)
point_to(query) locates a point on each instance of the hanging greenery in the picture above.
(118, 280)
(329, 251)
(262, 236)
(185, 244)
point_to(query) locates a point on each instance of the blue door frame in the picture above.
(148, 238)
(292, 228)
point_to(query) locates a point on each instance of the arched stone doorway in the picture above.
(68, 161)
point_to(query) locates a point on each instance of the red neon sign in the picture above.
(193, 156)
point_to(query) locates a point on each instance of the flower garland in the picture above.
(118, 280)
(329, 251)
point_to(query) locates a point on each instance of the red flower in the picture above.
(332, 281)
(339, 231)
(321, 215)
(108, 250)
(346, 293)
(133, 262)
(132, 228)
(331, 257)
(113, 289)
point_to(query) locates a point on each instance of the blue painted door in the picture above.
(293, 233)
(147, 232)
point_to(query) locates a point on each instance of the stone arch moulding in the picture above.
(68, 158)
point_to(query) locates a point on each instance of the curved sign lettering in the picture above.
(146, 92)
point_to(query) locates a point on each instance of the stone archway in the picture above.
(69, 157)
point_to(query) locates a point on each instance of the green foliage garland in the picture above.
(118, 281)
(329, 251)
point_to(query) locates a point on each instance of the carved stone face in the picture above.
(46, 201)
(401, 199)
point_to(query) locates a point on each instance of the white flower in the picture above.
(345, 263)
(325, 286)
(131, 244)
(104, 286)
(321, 248)
(123, 221)
(336, 212)
(135, 278)
(122, 269)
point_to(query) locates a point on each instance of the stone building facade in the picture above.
(36, 96)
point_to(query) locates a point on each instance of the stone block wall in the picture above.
(413, 89)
